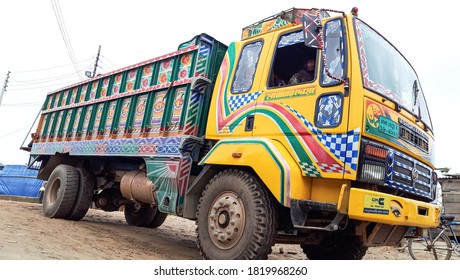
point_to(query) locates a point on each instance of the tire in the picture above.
(337, 246)
(236, 218)
(145, 216)
(138, 216)
(420, 249)
(157, 219)
(60, 192)
(84, 195)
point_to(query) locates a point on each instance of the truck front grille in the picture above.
(409, 175)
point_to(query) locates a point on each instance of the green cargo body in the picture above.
(155, 110)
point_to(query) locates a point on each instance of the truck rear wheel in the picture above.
(84, 195)
(137, 214)
(144, 216)
(61, 191)
(157, 220)
(336, 247)
(236, 218)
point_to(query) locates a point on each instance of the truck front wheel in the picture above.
(236, 218)
(337, 246)
(60, 192)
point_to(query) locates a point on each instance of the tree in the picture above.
(443, 169)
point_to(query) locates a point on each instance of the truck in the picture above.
(336, 157)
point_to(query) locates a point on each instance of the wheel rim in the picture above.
(53, 191)
(226, 220)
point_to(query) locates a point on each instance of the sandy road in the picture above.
(25, 234)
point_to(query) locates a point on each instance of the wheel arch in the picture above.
(268, 160)
(52, 162)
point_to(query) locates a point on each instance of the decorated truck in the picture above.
(335, 157)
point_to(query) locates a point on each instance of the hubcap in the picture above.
(226, 220)
(53, 192)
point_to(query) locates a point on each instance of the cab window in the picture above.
(294, 63)
(246, 68)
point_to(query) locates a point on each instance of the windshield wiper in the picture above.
(415, 91)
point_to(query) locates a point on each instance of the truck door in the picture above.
(237, 89)
(305, 109)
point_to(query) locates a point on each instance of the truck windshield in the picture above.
(388, 73)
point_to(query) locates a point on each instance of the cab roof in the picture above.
(289, 17)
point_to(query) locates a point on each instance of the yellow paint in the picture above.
(326, 190)
(259, 155)
(372, 206)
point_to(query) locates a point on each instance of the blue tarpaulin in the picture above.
(17, 180)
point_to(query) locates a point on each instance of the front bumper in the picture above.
(383, 208)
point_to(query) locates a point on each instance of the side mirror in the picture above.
(312, 31)
(333, 49)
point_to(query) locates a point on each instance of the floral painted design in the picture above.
(183, 73)
(185, 60)
(163, 78)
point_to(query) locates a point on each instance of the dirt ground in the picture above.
(25, 234)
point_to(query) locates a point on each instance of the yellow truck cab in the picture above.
(312, 130)
(351, 145)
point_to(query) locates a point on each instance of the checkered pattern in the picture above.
(309, 169)
(237, 101)
(334, 168)
(344, 146)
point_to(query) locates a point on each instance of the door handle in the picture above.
(249, 123)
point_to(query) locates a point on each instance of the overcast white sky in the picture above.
(33, 49)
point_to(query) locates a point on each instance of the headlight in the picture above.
(373, 171)
(374, 159)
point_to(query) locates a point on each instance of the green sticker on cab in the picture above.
(388, 127)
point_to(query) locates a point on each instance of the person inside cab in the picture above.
(305, 74)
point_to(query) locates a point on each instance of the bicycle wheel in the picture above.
(420, 247)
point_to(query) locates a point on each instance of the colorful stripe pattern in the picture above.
(283, 166)
(343, 146)
(158, 146)
(317, 153)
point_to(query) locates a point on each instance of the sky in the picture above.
(34, 49)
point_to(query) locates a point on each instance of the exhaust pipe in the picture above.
(135, 185)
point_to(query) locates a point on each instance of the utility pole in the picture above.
(97, 60)
(5, 85)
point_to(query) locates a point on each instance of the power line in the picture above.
(54, 85)
(15, 82)
(22, 104)
(49, 68)
(13, 132)
(64, 34)
(108, 60)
